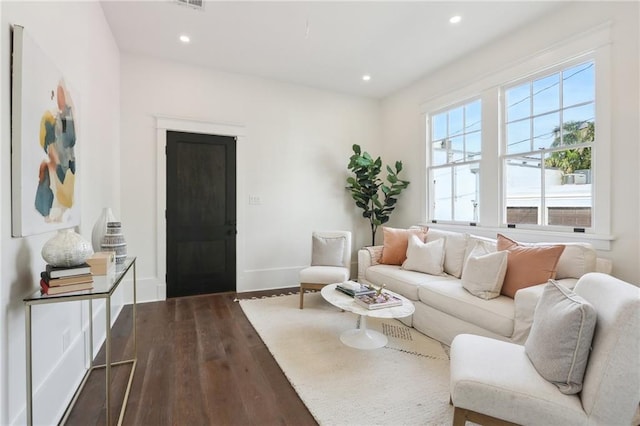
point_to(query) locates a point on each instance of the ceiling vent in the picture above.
(194, 4)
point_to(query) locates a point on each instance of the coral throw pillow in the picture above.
(396, 241)
(526, 265)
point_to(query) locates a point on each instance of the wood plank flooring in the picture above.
(200, 362)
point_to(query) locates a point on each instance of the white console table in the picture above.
(103, 288)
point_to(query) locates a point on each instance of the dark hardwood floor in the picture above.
(200, 362)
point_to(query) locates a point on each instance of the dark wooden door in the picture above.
(201, 214)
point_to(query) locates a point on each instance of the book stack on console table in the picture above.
(56, 279)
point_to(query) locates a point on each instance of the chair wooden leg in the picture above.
(459, 416)
(301, 297)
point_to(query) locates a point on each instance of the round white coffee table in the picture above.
(362, 337)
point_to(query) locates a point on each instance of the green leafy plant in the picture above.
(376, 198)
(570, 160)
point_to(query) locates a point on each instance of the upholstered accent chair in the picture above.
(330, 261)
(495, 382)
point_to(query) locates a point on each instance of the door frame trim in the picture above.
(167, 123)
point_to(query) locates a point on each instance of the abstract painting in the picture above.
(44, 141)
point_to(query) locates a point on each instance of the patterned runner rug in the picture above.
(403, 383)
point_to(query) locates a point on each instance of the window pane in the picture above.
(570, 161)
(545, 130)
(457, 149)
(519, 137)
(518, 102)
(439, 152)
(442, 194)
(473, 144)
(523, 187)
(456, 121)
(578, 126)
(439, 127)
(568, 187)
(466, 192)
(578, 84)
(472, 116)
(546, 94)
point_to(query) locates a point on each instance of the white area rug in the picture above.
(404, 383)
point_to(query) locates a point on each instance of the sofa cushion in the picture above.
(560, 339)
(425, 257)
(394, 251)
(576, 260)
(455, 247)
(495, 315)
(527, 265)
(401, 281)
(484, 272)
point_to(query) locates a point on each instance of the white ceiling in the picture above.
(323, 44)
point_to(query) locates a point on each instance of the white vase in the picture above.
(100, 227)
(67, 248)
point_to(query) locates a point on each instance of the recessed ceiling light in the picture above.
(366, 77)
(185, 38)
(455, 19)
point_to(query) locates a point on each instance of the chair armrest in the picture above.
(367, 257)
(525, 302)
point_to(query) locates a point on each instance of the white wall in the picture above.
(403, 124)
(294, 156)
(78, 40)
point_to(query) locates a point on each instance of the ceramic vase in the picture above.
(113, 240)
(67, 248)
(100, 227)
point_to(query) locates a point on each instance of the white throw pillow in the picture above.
(455, 246)
(484, 272)
(327, 251)
(425, 257)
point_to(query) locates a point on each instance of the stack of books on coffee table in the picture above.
(353, 288)
(56, 280)
(378, 301)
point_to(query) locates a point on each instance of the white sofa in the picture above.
(444, 309)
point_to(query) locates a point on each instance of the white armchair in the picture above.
(330, 261)
(494, 382)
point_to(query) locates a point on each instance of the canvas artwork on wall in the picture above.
(44, 142)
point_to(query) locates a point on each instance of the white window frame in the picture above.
(595, 44)
(452, 165)
(504, 155)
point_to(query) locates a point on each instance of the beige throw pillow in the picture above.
(527, 265)
(484, 272)
(560, 338)
(327, 251)
(425, 257)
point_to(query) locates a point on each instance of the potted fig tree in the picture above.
(376, 197)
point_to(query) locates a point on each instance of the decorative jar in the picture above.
(113, 240)
(67, 248)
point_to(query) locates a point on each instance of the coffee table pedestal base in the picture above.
(363, 338)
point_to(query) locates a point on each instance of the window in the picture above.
(456, 147)
(548, 137)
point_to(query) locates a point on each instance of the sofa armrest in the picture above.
(604, 265)
(525, 302)
(367, 257)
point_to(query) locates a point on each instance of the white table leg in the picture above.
(363, 338)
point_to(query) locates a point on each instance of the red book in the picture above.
(44, 287)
